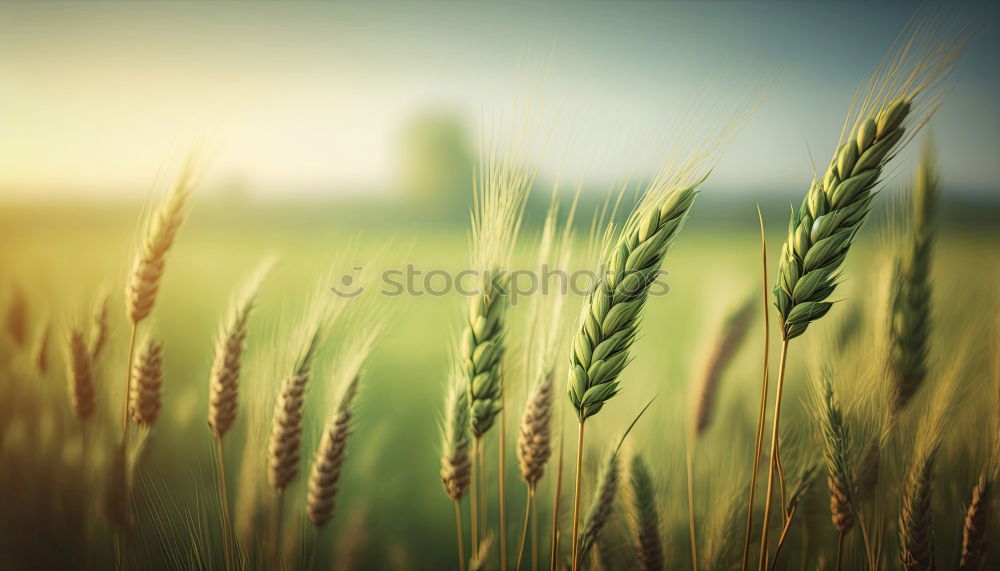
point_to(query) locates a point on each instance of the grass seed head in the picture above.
(456, 465)
(977, 514)
(147, 380)
(81, 377)
(887, 112)
(324, 478)
(910, 305)
(224, 381)
(646, 521)
(147, 269)
(734, 332)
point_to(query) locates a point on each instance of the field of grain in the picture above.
(504, 370)
(393, 512)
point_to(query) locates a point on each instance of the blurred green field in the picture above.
(392, 510)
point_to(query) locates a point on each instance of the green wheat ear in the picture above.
(482, 351)
(612, 313)
(834, 209)
(910, 317)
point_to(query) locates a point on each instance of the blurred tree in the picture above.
(436, 161)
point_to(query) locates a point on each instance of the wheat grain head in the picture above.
(324, 477)
(147, 380)
(646, 522)
(81, 376)
(223, 397)
(899, 98)
(456, 465)
(158, 236)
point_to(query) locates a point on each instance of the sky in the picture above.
(102, 99)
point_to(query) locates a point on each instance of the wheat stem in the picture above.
(782, 537)
(762, 560)
(483, 488)
(500, 477)
(524, 529)
(458, 534)
(223, 504)
(554, 550)
(534, 534)
(763, 394)
(840, 549)
(474, 501)
(576, 494)
(128, 381)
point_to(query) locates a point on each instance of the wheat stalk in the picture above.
(890, 110)
(286, 426)
(910, 314)
(502, 186)
(224, 379)
(731, 337)
(646, 518)
(545, 336)
(974, 526)
(836, 451)
(223, 388)
(456, 464)
(81, 377)
(147, 269)
(610, 319)
(501, 192)
(802, 486)
(611, 316)
(99, 329)
(147, 378)
(116, 495)
(324, 478)
(916, 530)
(328, 461)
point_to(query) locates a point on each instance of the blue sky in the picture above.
(310, 98)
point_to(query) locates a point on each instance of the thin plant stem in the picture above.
(500, 484)
(556, 493)
(763, 396)
(775, 427)
(474, 500)
(224, 505)
(781, 538)
(458, 535)
(524, 528)
(781, 482)
(483, 492)
(276, 529)
(534, 534)
(869, 553)
(840, 550)
(121, 546)
(128, 383)
(576, 495)
(690, 497)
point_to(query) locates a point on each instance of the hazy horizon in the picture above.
(312, 99)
